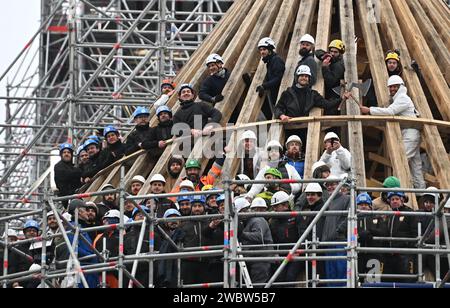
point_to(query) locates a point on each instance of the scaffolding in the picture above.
(95, 62)
(233, 254)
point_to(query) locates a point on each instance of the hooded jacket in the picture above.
(333, 75)
(161, 132)
(339, 161)
(186, 114)
(67, 178)
(137, 136)
(275, 71)
(256, 157)
(213, 86)
(402, 105)
(335, 227)
(112, 153)
(309, 61)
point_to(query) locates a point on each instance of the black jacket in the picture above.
(275, 72)
(162, 205)
(93, 166)
(284, 230)
(67, 178)
(168, 268)
(213, 86)
(194, 235)
(140, 134)
(370, 227)
(162, 132)
(188, 111)
(298, 102)
(332, 76)
(112, 153)
(303, 222)
(311, 63)
(402, 226)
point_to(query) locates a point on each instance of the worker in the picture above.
(95, 164)
(335, 155)
(109, 201)
(333, 70)
(307, 45)
(393, 63)
(381, 203)
(185, 204)
(136, 184)
(114, 149)
(300, 99)
(250, 154)
(259, 205)
(157, 187)
(141, 117)
(294, 155)
(156, 141)
(402, 105)
(195, 115)
(174, 169)
(275, 71)
(211, 88)
(82, 157)
(167, 90)
(67, 176)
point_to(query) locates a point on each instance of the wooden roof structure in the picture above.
(417, 28)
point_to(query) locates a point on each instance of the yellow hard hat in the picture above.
(392, 56)
(207, 187)
(338, 44)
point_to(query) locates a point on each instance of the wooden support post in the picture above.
(380, 77)
(355, 134)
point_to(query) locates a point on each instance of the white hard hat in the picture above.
(11, 232)
(333, 179)
(274, 144)
(303, 70)
(51, 213)
(187, 184)
(107, 187)
(267, 42)
(248, 134)
(280, 197)
(112, 214)
(35, 267)
(158, 178)
(313, 188)
(331, 135)
(67, 216)
(431, 194)
(244, 177)
(240, 204)
(214, 58)
(138, 178)
(308, 38)
(317, 165)
(395, 80)
(294, 138)
(258, 203)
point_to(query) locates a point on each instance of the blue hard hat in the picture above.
(171, 212)
(364, 198)
(136, 210)
(396, 193)
(94, 137)
(65, 146)
(141, 111)
(110, 129)
(213, 192)
(31, 224)
(199, 199)
(220, 199)
(80, 149)
(163, 109)
(184, 198)
(89, 142)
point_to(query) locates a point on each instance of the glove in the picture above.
(261, 91)
(218, 98)
(247, 79)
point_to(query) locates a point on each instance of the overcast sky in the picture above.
(19, 20)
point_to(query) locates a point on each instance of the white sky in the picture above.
(19, 20)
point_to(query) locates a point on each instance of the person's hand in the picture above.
(260, 90)
(347, 95)
(162, 144)
(336, 145)
(208, 130)
(364, 110)
(218, 98)
(326, 62)
(196, 132)
(329, 148)
(284, 118)
(214, 223)
(171, 93)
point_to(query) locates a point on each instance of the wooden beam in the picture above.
(380, 159)
(435, 146)
(314, 140)
(355, 134)
(253, 103)
(439, 23)
(442, 9)
(379, 74)
(434, 41)
(419, 49)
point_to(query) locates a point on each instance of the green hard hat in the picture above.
(274, 172)
(193, 163)
(391, 182)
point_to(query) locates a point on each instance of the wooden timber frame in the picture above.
(410, 26)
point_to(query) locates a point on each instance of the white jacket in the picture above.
(258, 188)
(402, 106)
(340, 161)
(162, 101)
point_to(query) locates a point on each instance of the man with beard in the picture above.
(168, 268)
(195, 115)
(95, 164)
(167, 90)
(157, 185)
(136, 184)
(193, 269)
(212, 86)
(141, 118)
(275, 70)
(156, 141)
(333, 69)
(82, 157)
(294, 155)
(109, 201)
(249, 154)
(306, 52)
(67, 176)
(174, 168)
(114, 150)
(185, 204)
